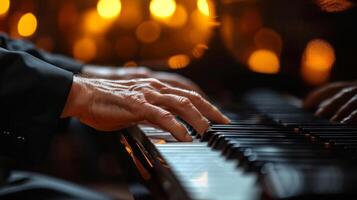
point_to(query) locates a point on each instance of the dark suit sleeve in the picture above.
(54, 59)
(32, 96)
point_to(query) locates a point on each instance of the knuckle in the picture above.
(184, 101)
(136, 98)
(196, 96)
(164, 89)
(155, 83)
(167, 116)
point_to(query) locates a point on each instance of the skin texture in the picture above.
(109, 105)
(127, 73)
(336, 101)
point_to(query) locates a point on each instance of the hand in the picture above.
(336, 101)
(109, 105)
(126, 73)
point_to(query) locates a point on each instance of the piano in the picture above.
(273, 149)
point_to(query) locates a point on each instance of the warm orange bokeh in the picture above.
(4, 7)
(178, 61)
(264, 61)
(109, 9)
(162, 9)
(317, 61)
(148, 32)
(92, 23)
(27, 25)
(85, 49)
(116, 31)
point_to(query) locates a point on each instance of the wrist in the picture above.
(76, 99)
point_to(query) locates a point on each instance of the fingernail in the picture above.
(188, 138)
(345, 120)
(226, 119)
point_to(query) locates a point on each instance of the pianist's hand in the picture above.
(336, 101)
(127, 73)
(109, 105)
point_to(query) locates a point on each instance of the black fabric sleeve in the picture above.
(32, 96)
(54, 59)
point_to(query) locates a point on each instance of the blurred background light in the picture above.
(317, 62)
(179, 18)
(131, 14)
(266, 38)
(148, 31)
(264, 61)
(27, 25)
(203, 7)
(85, 49)
(4, 6)
(93, 23)
(162, 8)
(108, 32)
(109, 8)
(178, 61)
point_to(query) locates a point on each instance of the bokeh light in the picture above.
(266, 38)
(162, 8)
(179, 61)
(109, 8)
(264, 61)
(203, 7)
(85, 49)
(199, 50)
(131, 14)
(115, 31)
(317, 61)
(93, 23)
(178, 19)
(4, 6)
(148, 31)
(27, 25)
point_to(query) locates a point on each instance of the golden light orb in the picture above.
(203, 7)
(109, 8)
(93, 23)
(319, 55)
(179, 18)
(148, 31)
(85, 49)
(27, 25)
(4, 6)
(264, 61)
(162, 8)
(317, 62)
(179, 61)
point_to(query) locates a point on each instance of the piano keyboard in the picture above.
(271, 149)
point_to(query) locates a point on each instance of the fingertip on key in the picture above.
(188, 138)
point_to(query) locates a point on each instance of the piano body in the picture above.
(272, 149)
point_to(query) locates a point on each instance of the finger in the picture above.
(203, 106)
(166, 121)
(178, 81)
(330, 106)
(318, 96)
(345, 109)
(183, 107)
(351, 119)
